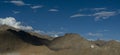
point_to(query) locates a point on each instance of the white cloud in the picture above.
(36, 7)
(16, 12)
(10, 21)
(99, 9)
(93, 9)
(39, 31)
(95, 34)
(17, 2)
(97, 13)
(78, 15)
(53, 10)
(104, 15)
(54, 34)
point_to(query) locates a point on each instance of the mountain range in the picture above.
(19, 42)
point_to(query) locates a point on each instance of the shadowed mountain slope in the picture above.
(26, 37)
(12, 39)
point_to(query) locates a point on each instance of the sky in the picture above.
(92, 19)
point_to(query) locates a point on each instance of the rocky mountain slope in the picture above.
(18, 42)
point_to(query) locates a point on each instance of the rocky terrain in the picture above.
(18, 42)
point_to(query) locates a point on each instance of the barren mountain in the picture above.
(18, 42)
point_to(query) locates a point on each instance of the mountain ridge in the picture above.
(24, 43)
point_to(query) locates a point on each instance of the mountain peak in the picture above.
(67, 41)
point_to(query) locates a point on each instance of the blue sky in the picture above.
(92, 19)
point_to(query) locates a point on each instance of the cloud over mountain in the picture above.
(11, 21)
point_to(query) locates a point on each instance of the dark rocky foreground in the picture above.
(18, 42)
